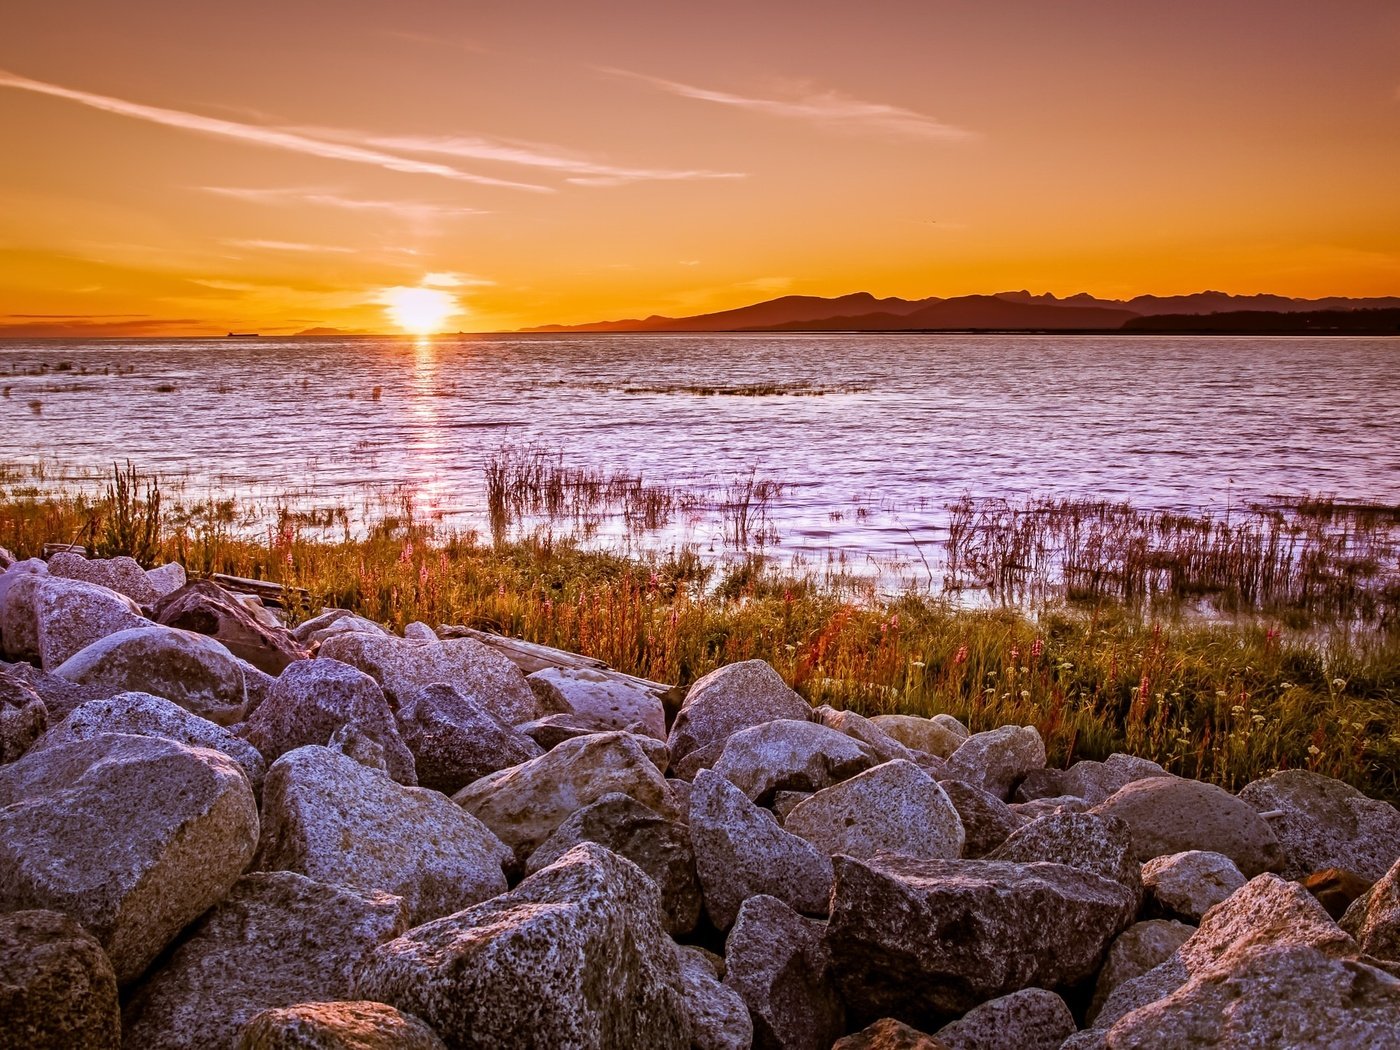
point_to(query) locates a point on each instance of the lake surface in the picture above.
(872, 435)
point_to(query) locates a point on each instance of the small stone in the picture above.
(57, 989)
(732, 698)
(996, 760)
(1187, 885)
(358, 1025)
(1031, 1019)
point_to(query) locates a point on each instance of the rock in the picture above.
(134, 837)
(997, 759)
(784, 802)
(57, 989)
(740, 852)
(1049, 807)
(1187, 885)
(987, 821)
(660, 847)
(121, 574)
(454, 740)
(195, 672)
(523, 805)
(206, 608)
(359, 1025)
(888, 1034)
(1336, 889)
(328, 817)
(886, 747)
(23, 717)
(787, 755)
(1095, 781)
(552, 730)
(573, 956)
(1031, 1019)
(59, 695)
(730, 699)
(719, 1019)
(1325, 823)
(1102, 845)
(404, 667)
(277, 940)
(614, 703)
(893, 808)
(166, 579)
(1171, 815)
(141, 714)
(922, 734)
(701, 758)
(19, 623)
(919, 939)
(779, 965)
(1374, 918)
(1141, 947)
(332, 622)
(7, 559)
(358, 746)
(314, 698)
(418, 631)
(70, 615)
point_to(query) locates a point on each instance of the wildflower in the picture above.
(1037, 647)
(1339, 683)
(960, 657)
(1314, 750)
(1025, 694)
(916, 663)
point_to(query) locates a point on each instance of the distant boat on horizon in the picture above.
(241, 335)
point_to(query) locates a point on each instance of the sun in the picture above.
(419, 311)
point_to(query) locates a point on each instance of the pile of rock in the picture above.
(219, 832)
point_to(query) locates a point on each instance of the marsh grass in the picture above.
(1225, 701)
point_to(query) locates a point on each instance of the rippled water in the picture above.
(904, 423)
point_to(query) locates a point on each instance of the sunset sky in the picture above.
(184, 168)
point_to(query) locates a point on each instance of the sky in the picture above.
(171, 168)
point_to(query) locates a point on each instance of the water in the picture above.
(904, 424)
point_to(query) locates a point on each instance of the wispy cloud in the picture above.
(272, 138)
(445, 279)
(290, 246)
(826, 108)
(411, 211)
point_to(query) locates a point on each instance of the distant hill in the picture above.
(789, 309)
(334, 331)
(1273, 322)
(970, 311)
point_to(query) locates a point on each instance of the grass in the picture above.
(1224, 701)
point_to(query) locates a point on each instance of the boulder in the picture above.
(886, 747)
(141, 714)
(573, 956)
(418, 631)
(1324, 823)
(314, 698)
(196, 672)
(888, 1034)
(1089, 780)
(403, 667)
(278, 939)
(1374, 918)
(23, 717)
(1172, 815)
(921, 939)
(729, 699)
(1187, 885)
(60, 696)
(719, 1019)
(996, 760)
(701, 758)
(1101, 845)
(57, 989)
(19, 623)
(132, 836)
(1049, 807)
(166, 579)
(357, 1025)
(740, 852)
(987, 821)
(893, 808)
(787, 755)
(121, 574)
(70, 615)
(332, 622)
(1141, 947)
(523, 805)
(778, 964)
(922, 734)
(206, 608)
(455, 740)
(615, 703)
(1031, 1019)
(327, 817)
(355, 744)
(660, 847)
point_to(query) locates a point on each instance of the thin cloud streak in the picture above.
(273, 138)
(828, 108)
(414, 211)
(290, 246)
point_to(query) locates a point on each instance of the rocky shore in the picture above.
(218, 831)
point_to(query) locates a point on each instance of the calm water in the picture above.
(905, 423)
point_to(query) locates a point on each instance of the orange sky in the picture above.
(178, 168)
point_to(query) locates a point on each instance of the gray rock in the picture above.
(357, 745)
(277, 940)
(332, 622)
(787, 755)
(1102, 845)
(660, 847)
(206, 608)
(614, 703)
(741, 852)
(328, 817)
(719, 1018)
(1049, 807)
(997, 759)
(166, 579)
(923, 734)
(987, 821)
(312, 699)
(701, 758)
(1374, 918)
(121, 574)
(358, 1025)
(57, 989)
(1325, 823)
(19, 623)
(71, 614)
(1095, 781)
(1141, 947)
(893, 808)
(1031, 1019)
(886, 747)
(729, 699)
(134, 837)
(778, 963)
(574, 956)
(455, 740)
(418, 631)
(1187, 885)
(23, 717)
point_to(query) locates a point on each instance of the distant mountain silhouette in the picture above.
(1004, 311)
(333, 331)
(1273, 322)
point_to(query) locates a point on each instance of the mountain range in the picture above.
(1015, 311)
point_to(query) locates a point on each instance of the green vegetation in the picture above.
(1220, 700)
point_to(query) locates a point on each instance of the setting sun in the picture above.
(419, 311)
